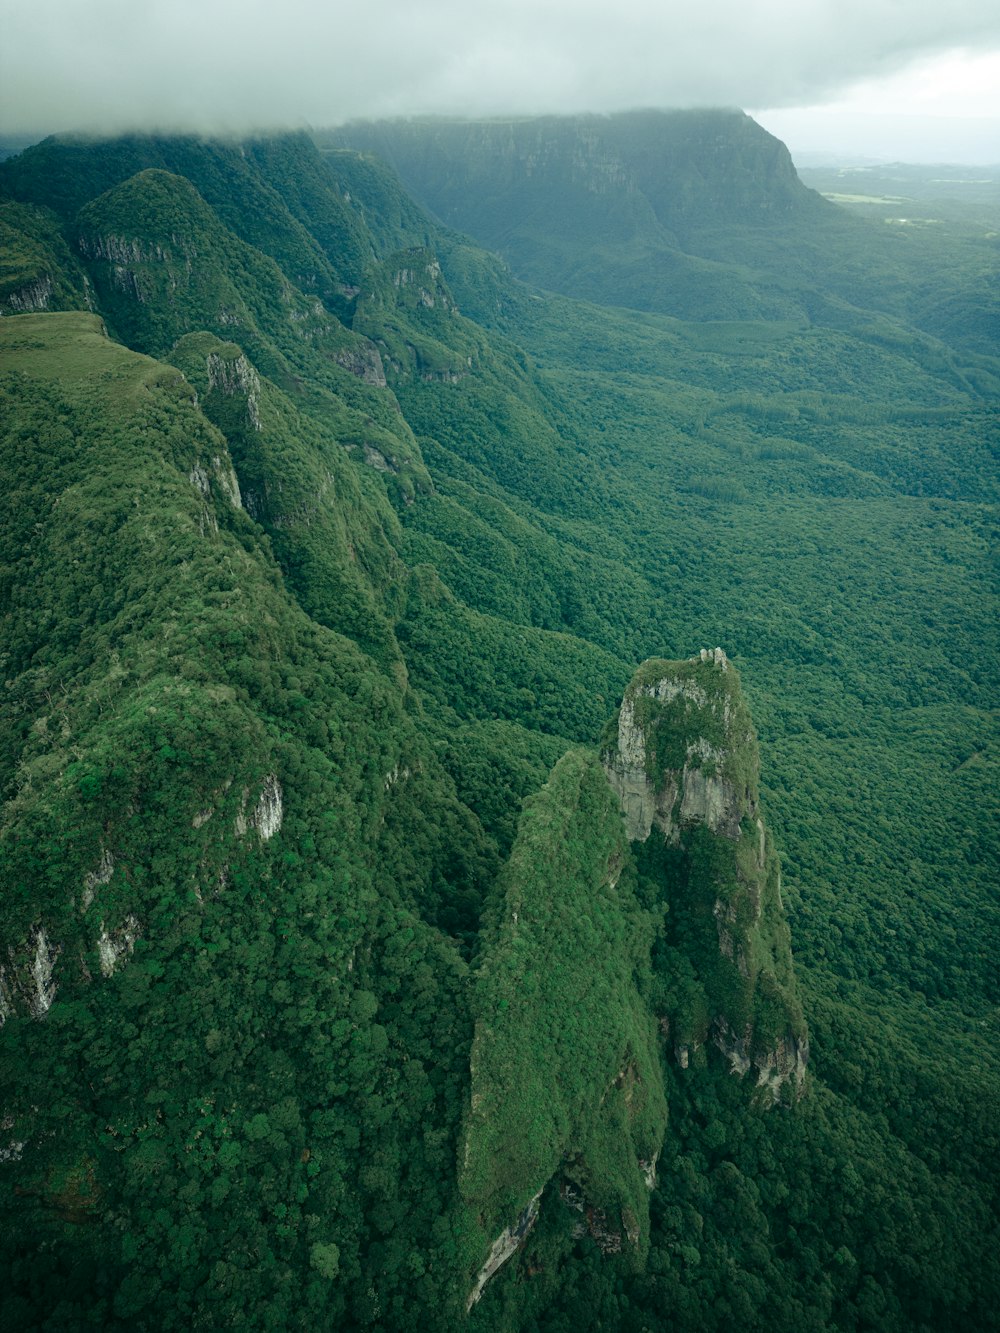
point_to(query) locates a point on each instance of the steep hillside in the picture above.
(605, 207)
(684, 760)
(696, 214)
(565, 1044)
(209, 846)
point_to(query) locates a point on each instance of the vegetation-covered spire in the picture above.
(684, 760)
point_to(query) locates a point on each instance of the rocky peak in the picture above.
(683, 759)
(685, 750)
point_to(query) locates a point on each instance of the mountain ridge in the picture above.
(295, 619)
(708, 219)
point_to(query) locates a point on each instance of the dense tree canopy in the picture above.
(327, 552)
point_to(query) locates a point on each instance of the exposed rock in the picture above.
(267, 816)
(715, 655)
(607, 1239)
(267, 813)
(12, 1150)
(627, 774)
(785, 1061)
(710, 800)
(34, 295)
(198, 478)
(113, 946)
(234, 375)
(124, 251)
(685, 762)
(695, 791)
(129, 259)
(443, 376)
(396, 774)
(431, 295)
(29, 983)
(44, 989)
(376, 459)
(594, 1221)
(648, 1170)
(363, 359)
(505, 1245)
(225, 476)
(96, 878)
(254, 503)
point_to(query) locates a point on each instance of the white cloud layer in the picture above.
(243, 64)
(942, 109)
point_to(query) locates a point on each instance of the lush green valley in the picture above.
(382, 945)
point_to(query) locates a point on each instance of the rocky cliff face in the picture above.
(684, 765)
(682, 164)
(566, 200)
(652, 787)
(503, 1248)
(408, 313)
(34, 295)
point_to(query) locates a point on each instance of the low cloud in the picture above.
(224, 65)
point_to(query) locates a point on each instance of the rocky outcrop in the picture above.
(235, 376)
(128, 260)
(34, 295)
(124, 250)
(607, 1234)
(425, 279)
(694, 784)
(683, 762)
(27, 981)
(784, 1062)
(363, 360)
(376, 458)
(225, 479)
(115, 945)
(267, 813)
(97, 878)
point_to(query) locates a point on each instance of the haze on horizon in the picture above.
(855, 76)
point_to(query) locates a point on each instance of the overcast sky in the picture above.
(244, 64)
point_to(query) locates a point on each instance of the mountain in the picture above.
(696, 214)
(605, 206)
(406, 919)
(685, 762)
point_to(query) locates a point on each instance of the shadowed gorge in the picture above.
(406, 920)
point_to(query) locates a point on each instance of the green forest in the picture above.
(499, 737)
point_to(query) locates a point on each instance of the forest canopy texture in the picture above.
(498, 736)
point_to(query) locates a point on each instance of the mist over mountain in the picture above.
(211, 68)
(499, 736)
